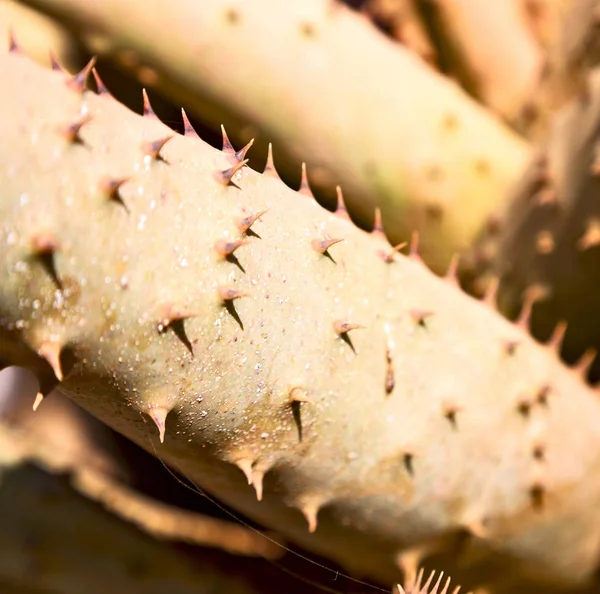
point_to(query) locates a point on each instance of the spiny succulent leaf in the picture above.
(382, 469)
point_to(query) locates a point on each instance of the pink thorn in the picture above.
(304, 187)
(452, 272)
(102, 89)
(556, 340)
(227, 146)
(148, 111)
(188, 129)
(341, 210)
(13, 45)
(270, 164)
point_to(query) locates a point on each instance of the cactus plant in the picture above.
(244, 334)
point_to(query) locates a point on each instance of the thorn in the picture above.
(537, 495)
(13, 44)
(234, 156)
(322, 245)
(555, 341)
(418, 589)
(524, 408)
(148, 112)
(434, 590)
(44, 243)
(390, 381)
(44, 246)
(341, 211)
(388, 257)
(224, 177)
(427, 584)
(420, 316)
(241, 154)
(38, 400)
(452, 272)
(227, 294)
(173, 317)
(340, 327)
(102, 88)
(295, 406)
(536, 292)
(245, 465)
(227, 146)
(152, 149)
(407, 460)
(304, 187)
(79, 81)
(159, 415)
(298, 394)
(169, 314)
(413, 252)
(542, 395)
(585, 362)
(450, 412)
(490, 296)
(445, 590)
(54, 63)
(270, 164)
(257, 483)
(71, 131)
(310, 512)
(510, 347)
(377, 230)
(591, 237)
(524, 319)
(110, 186)
(50, 352)
(188, 129)
(538, 452)
(226, 247)
(245, 223)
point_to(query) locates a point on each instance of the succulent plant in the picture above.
(296, 367)
(244, 334)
